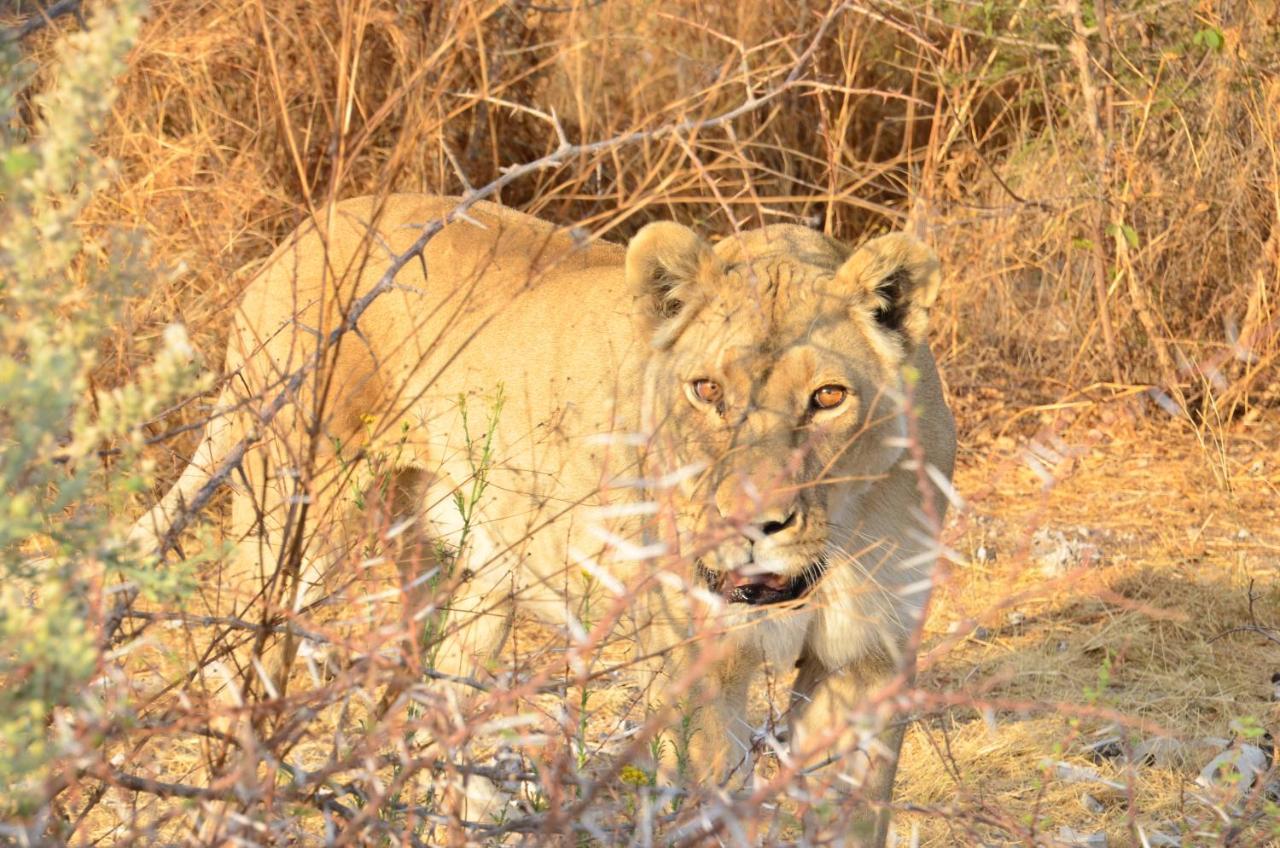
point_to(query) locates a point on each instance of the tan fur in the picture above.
(594, 348)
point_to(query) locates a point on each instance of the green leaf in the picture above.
(1210, 38)
(19, 162)
(1129, 234)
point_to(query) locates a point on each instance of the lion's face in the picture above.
(774, 390)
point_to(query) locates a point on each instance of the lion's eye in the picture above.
(829, 397)
(708, 391)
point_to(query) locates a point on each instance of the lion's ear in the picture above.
(665, 261)
(896, 278)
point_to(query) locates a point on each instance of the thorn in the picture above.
(457, 169)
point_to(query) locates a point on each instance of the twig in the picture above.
(164, 789)
(920, 13)
(1079, 50)
(562, 10)
(225, 621)
(1137, 294)
(1270, 633)
(234, 623)
(41, 19)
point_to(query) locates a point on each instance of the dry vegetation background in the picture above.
(1103, 188)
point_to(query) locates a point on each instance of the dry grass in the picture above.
(240, 117)
(1128, 644)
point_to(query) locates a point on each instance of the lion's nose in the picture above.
(773, 525)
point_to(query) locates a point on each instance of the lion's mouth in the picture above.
(761, 589)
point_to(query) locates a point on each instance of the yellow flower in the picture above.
(633, 776)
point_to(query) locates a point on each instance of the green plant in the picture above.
(466, 498)
(69, 453)
(480, 458)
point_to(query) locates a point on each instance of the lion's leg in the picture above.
(830, 721)
(220, 435)
(288, 506)
(247, 589)
(723, 740)
(474, 593)
(460, 601)
(700, 685)
(279, 567)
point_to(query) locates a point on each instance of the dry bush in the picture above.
(1144, 164)
(238, 119)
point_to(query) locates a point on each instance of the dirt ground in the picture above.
(1104, 592)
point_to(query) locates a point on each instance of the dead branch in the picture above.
(1268, 632)
(1093, 108)
(42, 19)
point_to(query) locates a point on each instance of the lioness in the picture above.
(761, 417)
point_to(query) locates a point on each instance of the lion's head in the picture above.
(774, 382)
